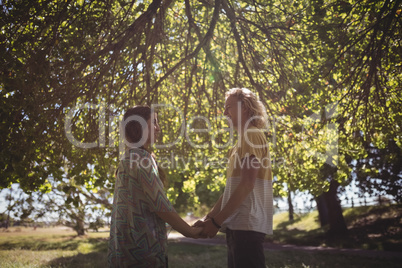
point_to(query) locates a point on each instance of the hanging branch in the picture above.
(232, 17)
(202, 43)
(133, 30)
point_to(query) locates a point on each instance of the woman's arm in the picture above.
(249, 172)
(216, 209)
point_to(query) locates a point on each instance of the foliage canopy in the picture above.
(329, 73)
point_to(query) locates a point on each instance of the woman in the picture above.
(244, 211)
(138, 236)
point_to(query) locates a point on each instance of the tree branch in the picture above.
(133, 30)
(202, 43)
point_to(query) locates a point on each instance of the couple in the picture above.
(138, 236)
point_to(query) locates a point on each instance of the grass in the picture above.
(89, 252)
(189, 255)
(197, 256)
(52, 247)
(369, 227)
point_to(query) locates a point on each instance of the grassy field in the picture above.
(52, 247)
(59, 247)
(370, 227)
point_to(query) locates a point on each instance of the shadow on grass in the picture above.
(376, 228)
(93, 259)
(183, 255)
(65, 243)
(92, 253)
(285, 224)
(298, 237)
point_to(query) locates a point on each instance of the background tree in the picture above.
(70, 69)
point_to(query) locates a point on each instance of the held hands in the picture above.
(195, 232)
(209, 229)
(200, 224)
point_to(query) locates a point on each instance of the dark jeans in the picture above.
(245, 249)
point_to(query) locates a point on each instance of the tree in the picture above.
(380, 172)
(69, 69)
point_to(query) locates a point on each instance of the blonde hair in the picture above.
(254, 106)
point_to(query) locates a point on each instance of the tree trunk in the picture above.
(79, 227)
(9, 209)
(337, 225)
(322, 210)
(330, 211)
(8, 220)
(78, 223)
(291, 211)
